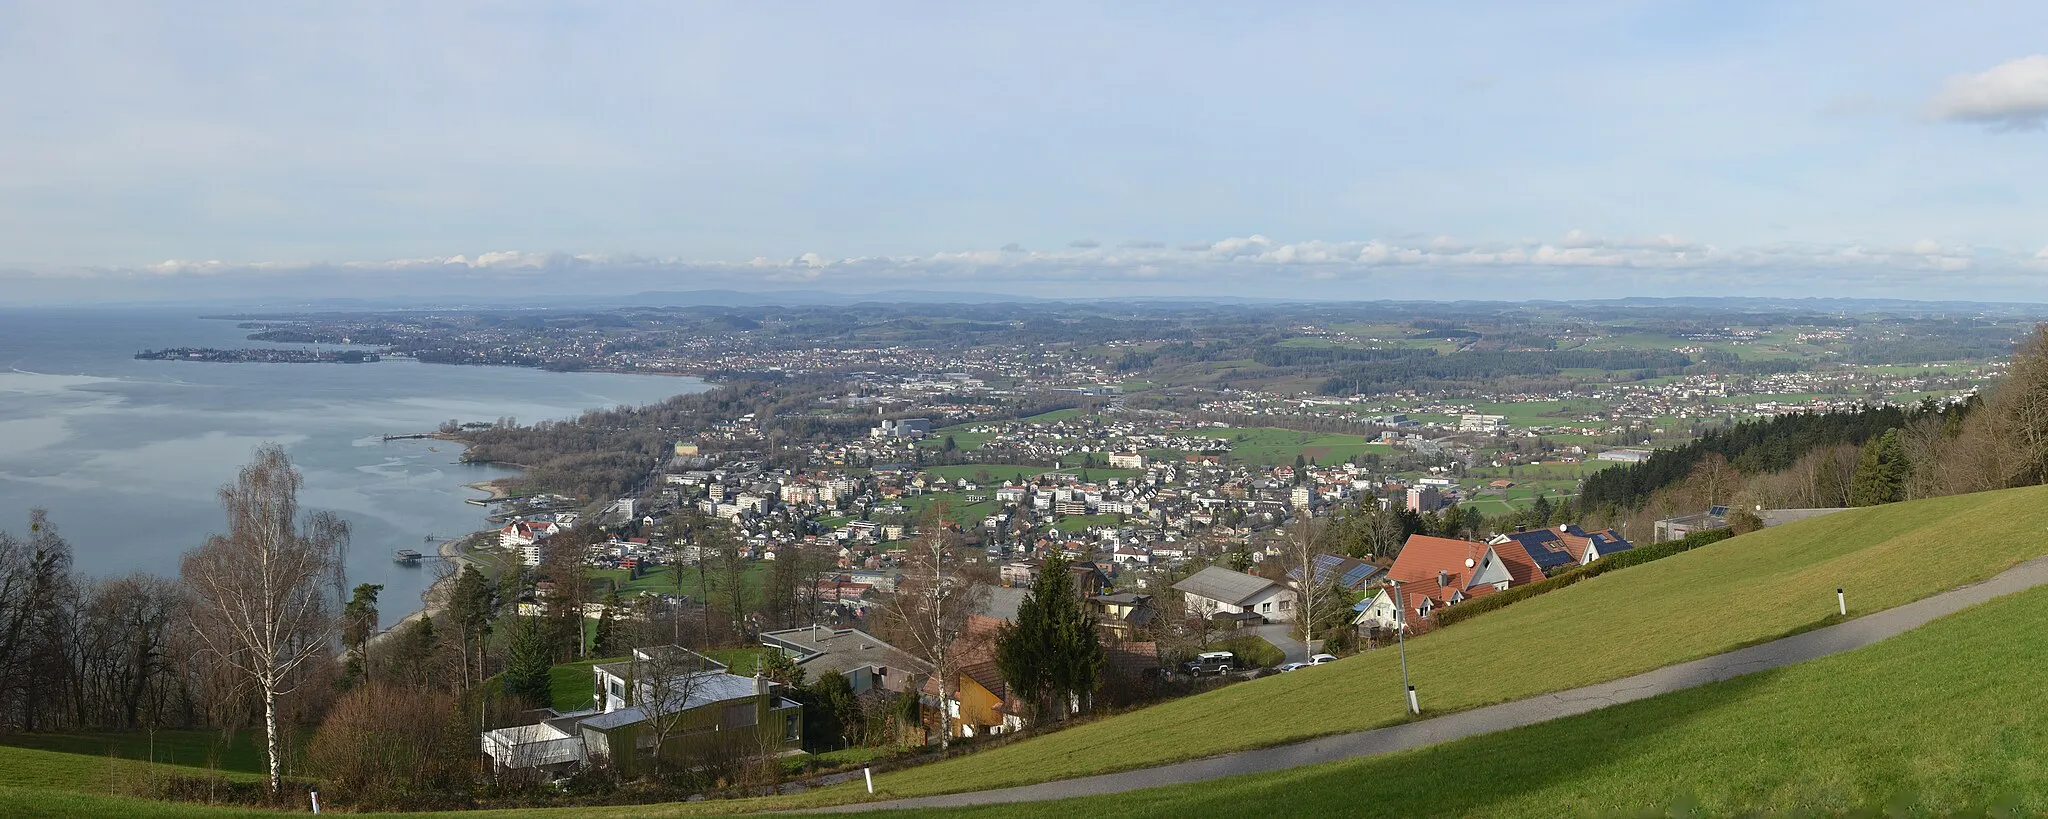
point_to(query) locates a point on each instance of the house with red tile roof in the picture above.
(1434, 572)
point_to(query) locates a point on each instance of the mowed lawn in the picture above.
(1743, 590)
(37, 782)
(1942, 720)
(190, 748)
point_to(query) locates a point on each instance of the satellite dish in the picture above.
(1468, 563)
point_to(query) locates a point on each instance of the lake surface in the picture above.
(129, 456)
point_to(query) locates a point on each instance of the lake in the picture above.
(129, 456)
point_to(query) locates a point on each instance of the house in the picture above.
(1547, 547)
(1216, 590)
(1434, 572)
(1349, 573)
(1123, 614)
(864, 660)
(979, 702)
(525, 533)
(705, 708)
(1677, 528)
(1126, 460)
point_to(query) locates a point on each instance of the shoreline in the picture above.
(491, 487)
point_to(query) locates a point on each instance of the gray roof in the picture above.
(711, 687)
(839, 650)
(1218, 583)
(1003, 602)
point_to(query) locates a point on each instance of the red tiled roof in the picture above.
(1520, 565)
(1423, 557)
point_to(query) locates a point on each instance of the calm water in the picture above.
(128, 455)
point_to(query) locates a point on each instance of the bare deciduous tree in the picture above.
(260, 592)
(1312, 597)
(931, 606)
(663, 684)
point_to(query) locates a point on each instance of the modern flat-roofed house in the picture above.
(864, 660)
(1677, 528)
(1216, 590)
(704, 708)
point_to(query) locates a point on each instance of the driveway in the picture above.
(1276, 633)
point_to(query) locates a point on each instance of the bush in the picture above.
(1253, 651)
(1633, 557)
(386, 745)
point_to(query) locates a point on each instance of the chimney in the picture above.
(760, 683)
(1443, 578)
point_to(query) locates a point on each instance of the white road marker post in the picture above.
(869, 774)
(1413, 706)
(315, 796)
(1841, 601)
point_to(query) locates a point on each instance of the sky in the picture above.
(1298, 150)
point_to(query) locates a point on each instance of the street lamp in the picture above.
(1401, 638)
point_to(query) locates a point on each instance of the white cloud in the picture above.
(2011, 95)
(1433, 264)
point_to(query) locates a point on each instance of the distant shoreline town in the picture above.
(260, 355)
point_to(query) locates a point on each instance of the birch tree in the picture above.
(260, 592)
(1312, 598)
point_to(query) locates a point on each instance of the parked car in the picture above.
(1319, 659)
(1286, 667)
(1211, 662)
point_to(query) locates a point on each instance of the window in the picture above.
(792, 729)
(739, 716)
(1286, 604)
(1265, 606)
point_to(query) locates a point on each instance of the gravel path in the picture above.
(1834, 639)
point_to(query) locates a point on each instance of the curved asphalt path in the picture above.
(1852, 634)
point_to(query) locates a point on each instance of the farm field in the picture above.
(1270, 446)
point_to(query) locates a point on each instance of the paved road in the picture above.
(1852, 634)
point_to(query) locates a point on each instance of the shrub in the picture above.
(1633, 557)
(386, 745)
(1253, 651)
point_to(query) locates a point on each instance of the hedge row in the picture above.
(1633, 557)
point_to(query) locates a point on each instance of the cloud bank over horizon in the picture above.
(1610, 147)
(1575, 265)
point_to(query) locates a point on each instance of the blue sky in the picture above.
(1340, 150)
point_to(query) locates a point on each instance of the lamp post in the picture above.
(1401, 638)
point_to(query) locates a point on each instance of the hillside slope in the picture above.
(1741, 591)
(1942, 720)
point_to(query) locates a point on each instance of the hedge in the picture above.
(1633, 557)
(1253, 651)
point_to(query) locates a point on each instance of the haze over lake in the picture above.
(128, 455)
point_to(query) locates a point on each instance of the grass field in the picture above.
(1943, 720)
(197, 749)
(56, 783)
(1269, 446)
(998, 473)
(662, 580)
(1079, 523)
